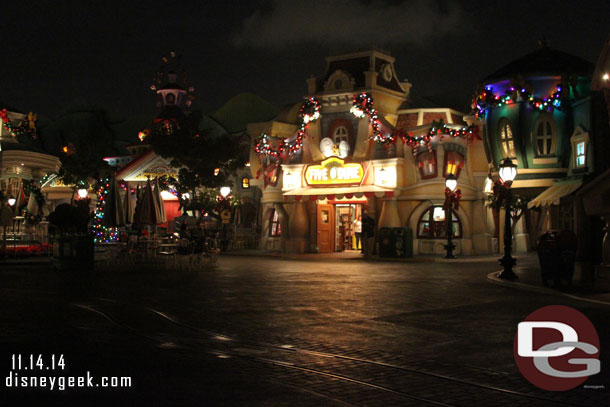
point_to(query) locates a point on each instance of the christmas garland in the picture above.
(363, 106)
(438, 127)
(487, 99)
(308, 113)
(27, 126)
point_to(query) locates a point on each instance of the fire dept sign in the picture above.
(334, 171)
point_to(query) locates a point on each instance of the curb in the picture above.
(493, 277)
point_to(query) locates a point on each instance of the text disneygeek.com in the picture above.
(32, 364)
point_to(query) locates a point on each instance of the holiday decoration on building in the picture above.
(308, 113)
(101, 233)
(26, 128)
(438, 128)
(487, 99)
(452, 198)
(363, 106)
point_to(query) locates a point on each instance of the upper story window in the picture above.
(340, 135)
(581, 154)
(507, 142)
(426, 161)
(580, 147)
(544, 135)
(454, 162)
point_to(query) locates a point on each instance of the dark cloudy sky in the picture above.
(105, 53)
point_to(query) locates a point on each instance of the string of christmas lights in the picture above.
(27, 126)
(488, 99)
(363, 106)
(308, 113)
(102, 233)
(438, 128)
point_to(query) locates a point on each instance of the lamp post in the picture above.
(450, 196)
(508, 172)
(82, 193)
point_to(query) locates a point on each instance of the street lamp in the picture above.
(225, 191)
(450, 197)
(508, 172)
(82, 193)
(11, 201)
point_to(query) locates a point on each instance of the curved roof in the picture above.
(543, 61)
(242, 109)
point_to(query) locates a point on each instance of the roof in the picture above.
(543, 61)
(242, 109)
(356, 64)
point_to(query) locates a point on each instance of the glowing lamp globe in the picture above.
(82, 193)
(451, 182)
(11, 201)
(508, 171)
(225, 191)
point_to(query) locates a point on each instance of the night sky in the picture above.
(57, 55)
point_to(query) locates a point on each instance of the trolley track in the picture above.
(344, 368)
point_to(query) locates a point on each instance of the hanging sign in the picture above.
(334, 171)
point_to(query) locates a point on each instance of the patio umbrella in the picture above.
(146, 211)
(21, 199)
(128, 206)
(33, 207)
(160, 204)
(113, 207)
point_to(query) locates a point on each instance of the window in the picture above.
(170, 99)
(432, 224)
(507, 142)
(545, 135)
(245, 183)
(581, 156)
(580, 149)
(454, 162)
(340, 135)
(275, 230)
(426, 162)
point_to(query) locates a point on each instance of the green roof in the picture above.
(242, 109)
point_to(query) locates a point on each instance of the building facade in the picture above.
(357, 144)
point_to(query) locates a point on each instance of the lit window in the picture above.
(454, 162)
(544, 136)
(581, 150)
(426, 162)
(507, 141)
(274, 226)
(340, 134)
(432, 224)
(245, 182)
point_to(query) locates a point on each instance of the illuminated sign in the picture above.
(334, 171)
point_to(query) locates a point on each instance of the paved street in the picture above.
(275, 332)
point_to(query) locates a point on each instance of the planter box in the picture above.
(73, 252)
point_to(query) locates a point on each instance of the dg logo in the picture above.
(557, 348)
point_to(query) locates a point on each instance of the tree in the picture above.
(81, 138)
(206, 157)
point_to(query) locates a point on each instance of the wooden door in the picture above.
(326, 227)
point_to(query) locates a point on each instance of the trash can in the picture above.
(387, 245)
(403, 242)
(557, 255)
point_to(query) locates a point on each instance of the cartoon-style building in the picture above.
(357, 143)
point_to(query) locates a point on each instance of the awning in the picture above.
(554, 193)
(355, 192)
